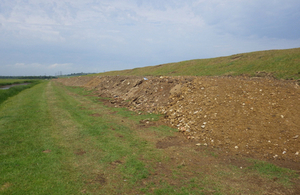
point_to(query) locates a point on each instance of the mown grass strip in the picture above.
(30, 159)
(115, 137)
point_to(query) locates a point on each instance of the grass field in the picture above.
(62, 140)
(282, 64)
(13, 81)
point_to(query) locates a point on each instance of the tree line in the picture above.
(43, 77)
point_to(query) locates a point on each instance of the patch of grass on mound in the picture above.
(281, 64)
(273, 172)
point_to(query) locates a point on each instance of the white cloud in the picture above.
(19, 65)
(56, 65)
(181, 16)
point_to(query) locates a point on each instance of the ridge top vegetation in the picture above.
(281, 64)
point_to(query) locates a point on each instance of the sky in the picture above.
(49, 37)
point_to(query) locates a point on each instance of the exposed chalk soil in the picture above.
(255, 117)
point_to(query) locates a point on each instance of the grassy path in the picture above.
(25, 133)
(54, 142)
(62, 140)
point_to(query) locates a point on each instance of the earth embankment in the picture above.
(255, 117)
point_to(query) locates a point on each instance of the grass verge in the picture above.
(6, 93)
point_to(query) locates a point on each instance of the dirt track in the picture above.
(255, 117)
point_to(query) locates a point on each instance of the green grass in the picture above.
(13, 81)
(25, 169)
(61, 140)
(282, 64)
(6, 93)
(273, 172)
(52, 120)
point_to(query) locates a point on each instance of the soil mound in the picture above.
(255, 117)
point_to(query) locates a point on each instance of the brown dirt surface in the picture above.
(252, 117)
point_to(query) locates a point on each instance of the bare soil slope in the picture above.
(255, 117)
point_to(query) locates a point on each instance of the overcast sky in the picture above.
(44, 37)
